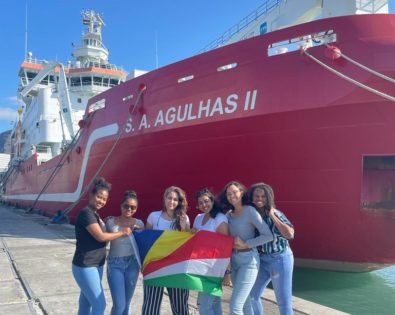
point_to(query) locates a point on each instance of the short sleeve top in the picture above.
(88, 252)
(212, 224)
(279, 243)
(158, 222)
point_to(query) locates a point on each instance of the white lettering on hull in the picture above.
(212, 107)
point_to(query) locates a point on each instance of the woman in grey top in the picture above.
(244, 220)
(122, 266)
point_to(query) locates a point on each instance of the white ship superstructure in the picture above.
(55, 95)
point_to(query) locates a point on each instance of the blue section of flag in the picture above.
(145, 239)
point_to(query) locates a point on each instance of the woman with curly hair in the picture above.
(276, 257)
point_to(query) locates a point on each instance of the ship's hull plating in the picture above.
(283, 120)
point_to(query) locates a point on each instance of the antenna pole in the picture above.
(25, 30)
(156, 49)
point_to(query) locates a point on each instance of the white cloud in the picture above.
(13, 100)
(8, 114)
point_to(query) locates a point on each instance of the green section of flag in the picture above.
(210, 285)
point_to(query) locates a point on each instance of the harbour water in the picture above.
(371, 293)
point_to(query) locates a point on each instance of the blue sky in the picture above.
(182, 28)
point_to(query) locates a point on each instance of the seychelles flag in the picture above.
(184, 260)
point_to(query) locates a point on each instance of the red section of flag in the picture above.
(204, 245)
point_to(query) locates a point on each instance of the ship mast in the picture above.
(92, 48)
(56, 95)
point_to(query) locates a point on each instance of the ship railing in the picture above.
(90, 39)
(44, 153)
(97, 64)
(263, 9)
(371, 6)
(35, 60)
(87, 64)
(43, 149)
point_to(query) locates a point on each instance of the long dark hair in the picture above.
(181, 207)
(100, 184)
(223, 198)
(216, 207)
(268, 193)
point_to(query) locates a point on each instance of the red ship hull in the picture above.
(318, 140)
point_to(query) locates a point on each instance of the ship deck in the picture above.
(36, 278)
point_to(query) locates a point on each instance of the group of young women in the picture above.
(261, 252)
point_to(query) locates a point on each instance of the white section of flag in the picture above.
(201, 267)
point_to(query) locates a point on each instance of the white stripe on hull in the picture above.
(97, 134)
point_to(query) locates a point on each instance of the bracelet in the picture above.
(228, 271)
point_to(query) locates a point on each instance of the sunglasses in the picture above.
(131, 207)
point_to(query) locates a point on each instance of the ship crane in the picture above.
(63, 90)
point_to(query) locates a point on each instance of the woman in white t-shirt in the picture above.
(211, 219)
(172, 217)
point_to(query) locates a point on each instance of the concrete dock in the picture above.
(36, 278)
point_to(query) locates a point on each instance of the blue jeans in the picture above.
(278, 268)
(122, 275)
(209, 304)
(92, 300)
(245, 267)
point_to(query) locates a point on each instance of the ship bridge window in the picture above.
(97, 80)
(303, 41)
(114, 82)
(106, 81)
(86, 80)
(44, 81)
(378, 183)
(31, 75)
(75, 81)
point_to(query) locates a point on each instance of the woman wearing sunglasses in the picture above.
(122, 266)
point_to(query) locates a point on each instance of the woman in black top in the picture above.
(90, 253)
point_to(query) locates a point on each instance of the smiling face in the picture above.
(205, 204)
(234, 195)
(171, 201)
(129, 207)
(259, 198)
(99, 199)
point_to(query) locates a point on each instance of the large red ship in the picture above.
(308, 109)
